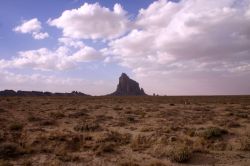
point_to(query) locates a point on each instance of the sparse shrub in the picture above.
(105, 147)
(200, 145)
(10, 150)
(245, 143)
(242, 115)
(26, 163)
(229, 114)
(180, 154)
(87, 126)
(130, 119)
(66, 157)
(157, 163)
(2, 110)
(159, 151)
(2, 136)
(98, 106)
(57, 115)
(201, 109)
(5, 163)
(71, 109)
(141, 142)
(233, 125)
(77, 114)
(117, 108)
(15, 126)
(213, 132)
(48, 122)
(129, 163)
(32, 118)
(191, 132)
(74, 144)
(115, 137)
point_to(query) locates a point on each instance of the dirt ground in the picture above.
(125, 131)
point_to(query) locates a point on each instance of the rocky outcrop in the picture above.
(128, 87)
(38, 93)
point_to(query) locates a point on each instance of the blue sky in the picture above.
(64, 45)
(43, 10)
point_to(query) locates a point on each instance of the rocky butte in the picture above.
(128, 87)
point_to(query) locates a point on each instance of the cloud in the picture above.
(71, 42)
(29, 26)
(189, 35)
(33, 27)
(63, 58)
(92, 21)
(40, 35)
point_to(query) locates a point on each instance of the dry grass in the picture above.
(16, 126)
(125, 131)
(180, 154)
(213, 133)
(10, 150)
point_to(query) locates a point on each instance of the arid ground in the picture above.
(125, 131)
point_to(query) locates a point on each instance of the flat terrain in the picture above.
(125, 131)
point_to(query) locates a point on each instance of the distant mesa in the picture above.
(128, 87)
(38, 93)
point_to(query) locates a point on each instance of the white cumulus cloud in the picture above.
(190, 34)
(63, 58)
(33, 27)
(92, 21)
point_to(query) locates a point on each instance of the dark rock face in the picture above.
(128, 87)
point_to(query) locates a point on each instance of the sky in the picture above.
(178, 47)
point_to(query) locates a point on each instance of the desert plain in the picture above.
(125, 131)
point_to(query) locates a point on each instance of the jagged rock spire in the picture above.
(128, 87)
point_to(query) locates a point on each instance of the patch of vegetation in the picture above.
(117, 108)
(2, 110)
(130, 119)
(243, 115)
(129, 163)
(48, 122)
(5, 163)
(32, 118)
(115, 137)
(213, 132)
(180, 154)
(16, 126)
(66, 157)
(191, 132)
(157, 163)
(233, 125)
(87, 126)
(57, 115)
(10, 150)
(105, 147)
(245, 143)
(77, 114)
(140, 142)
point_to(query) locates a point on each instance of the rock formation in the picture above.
(128, 87)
